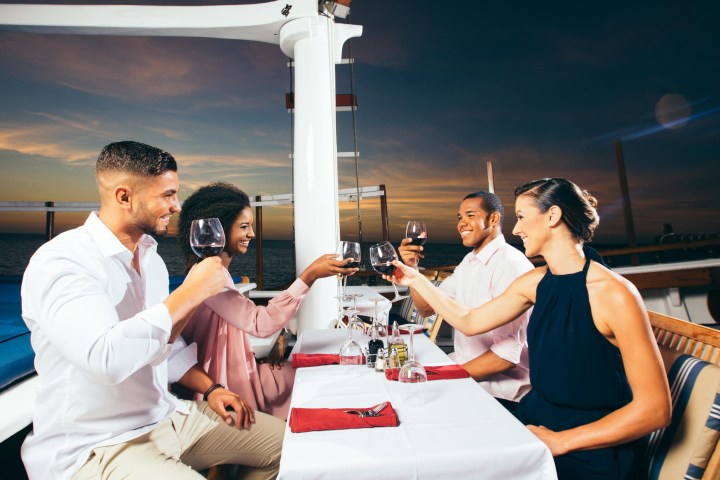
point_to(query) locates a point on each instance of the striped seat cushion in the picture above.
(682, 449)
(408, 310)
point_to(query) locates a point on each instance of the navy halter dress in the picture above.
(577, 376)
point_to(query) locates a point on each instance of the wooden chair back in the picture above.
(686, 337)
(432, 330)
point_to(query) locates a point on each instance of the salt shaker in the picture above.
(380, 360)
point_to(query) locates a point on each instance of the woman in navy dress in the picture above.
(597, 376)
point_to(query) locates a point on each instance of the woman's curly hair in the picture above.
(219, 200)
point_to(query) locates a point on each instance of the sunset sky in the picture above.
(443, 87)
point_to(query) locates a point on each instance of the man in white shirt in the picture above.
(104, 331)
(497, 359)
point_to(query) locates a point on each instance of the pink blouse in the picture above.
(220, 328)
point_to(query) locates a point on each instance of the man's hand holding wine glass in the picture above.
(410, 253)
(411, 246)
(208, 277)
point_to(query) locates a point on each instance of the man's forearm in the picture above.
(487, 365)
(196, 379)
(423, 308)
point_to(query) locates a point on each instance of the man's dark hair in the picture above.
(220, 200)
(490, 203)
(134, 158)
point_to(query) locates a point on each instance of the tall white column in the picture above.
(315, 44)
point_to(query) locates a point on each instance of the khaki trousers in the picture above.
(182, 444)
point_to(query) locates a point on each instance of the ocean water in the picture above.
(278, 257)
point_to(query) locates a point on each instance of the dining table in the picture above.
(365, 301)
(447, 428)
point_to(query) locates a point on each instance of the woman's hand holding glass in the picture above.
(345, 251)
(327, 266)
(348, 253)
(403, 275)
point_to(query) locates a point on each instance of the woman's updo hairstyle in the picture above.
(579, 208)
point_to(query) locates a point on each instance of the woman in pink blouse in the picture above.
(220, 326)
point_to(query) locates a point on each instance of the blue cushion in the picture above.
(16, 354)
(16, 359)
(408, 310)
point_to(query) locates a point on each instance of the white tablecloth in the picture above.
(364, 304)
(459, 432)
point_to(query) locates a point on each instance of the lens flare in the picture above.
(673, 111)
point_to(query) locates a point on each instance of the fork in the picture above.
(374, 412)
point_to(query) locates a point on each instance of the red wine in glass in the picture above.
(416, 231)
(204, 251)
(207, 237)
(381, 257)
(384, 268)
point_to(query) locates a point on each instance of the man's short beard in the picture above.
(151, 229)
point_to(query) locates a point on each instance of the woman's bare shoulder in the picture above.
(609, 282)
(526, 284)
(615, 293)
(532, 276)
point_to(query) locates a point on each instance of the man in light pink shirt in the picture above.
(497, 359)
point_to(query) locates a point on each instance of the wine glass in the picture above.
(347, 250)
(412, 371)
(382, 329)
(351, 352)
(381, 257)
(207, 238)
(413, 374)
(417, 233)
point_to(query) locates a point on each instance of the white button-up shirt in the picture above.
(478, 279)
(100, 334)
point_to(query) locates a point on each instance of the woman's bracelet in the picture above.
(210, 390)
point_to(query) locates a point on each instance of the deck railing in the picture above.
(259, 201)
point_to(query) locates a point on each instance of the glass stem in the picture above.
(411, 345)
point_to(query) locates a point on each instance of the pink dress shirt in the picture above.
(220, 328)
(478, 279)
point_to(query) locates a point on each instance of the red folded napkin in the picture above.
(300, 360)
(442, 372)
(313, 419)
